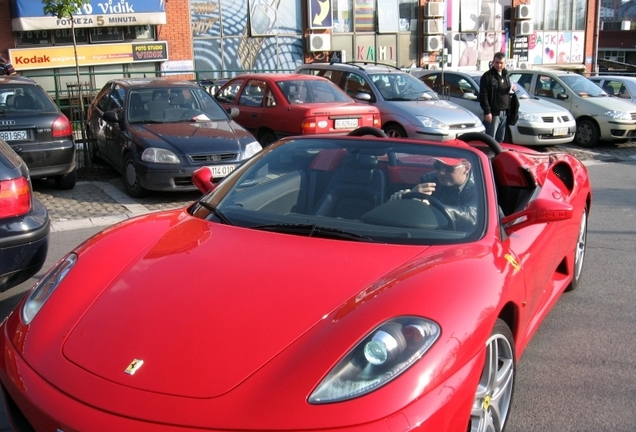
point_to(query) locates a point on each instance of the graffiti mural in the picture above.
(226, 45)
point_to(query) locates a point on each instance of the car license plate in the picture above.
(219, 171)
(14, 135)
(346, 123)
(560, 131)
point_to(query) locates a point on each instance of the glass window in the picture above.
(228, 93)
(252, 94)
(408, 15)
(565, 15)
(106, 34)
(33, 37)
(65, 36)
(364, 15)
(342, 16)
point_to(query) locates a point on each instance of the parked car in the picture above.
(623, 87)
(24, 222)
(540, 122)
(367, 314)
(598, 117)
(37, 130)
(157, 131)
(408, 107)
(273, 106)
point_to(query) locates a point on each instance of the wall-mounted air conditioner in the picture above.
(432, 43)
(523, 28)
(434, 9)
(319, 42)
(523, 12)
(432, 66)
(433, 26)
(523, 65)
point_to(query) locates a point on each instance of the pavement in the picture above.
(102, 200)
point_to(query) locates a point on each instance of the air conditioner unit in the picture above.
(524, 12)
(434, 9)
(523, 28)
(433, 26)
(432, 66)
(319, 42)
(432, 43)
(523, 65)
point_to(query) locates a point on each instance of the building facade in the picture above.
(200, 39)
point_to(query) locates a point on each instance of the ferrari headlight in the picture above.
(159, 155)
(42, 290)
(432, 123)
(251, 149)
(619, 115)
(381, 356)
(530, 117)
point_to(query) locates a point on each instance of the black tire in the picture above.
(394, 131)
(267, 138)
(66, 181)
(91, 145)
(367, 130)
(587, 133)
(579, 253)
(493, 397)
(131, 178)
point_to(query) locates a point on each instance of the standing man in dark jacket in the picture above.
(494, 97)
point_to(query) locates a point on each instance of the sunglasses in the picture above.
(439, 166)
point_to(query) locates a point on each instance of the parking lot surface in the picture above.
(99, 199)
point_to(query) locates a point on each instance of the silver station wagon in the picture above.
(408, 107)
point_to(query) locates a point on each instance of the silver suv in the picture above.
(408, 107)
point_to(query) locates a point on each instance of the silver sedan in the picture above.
(540, 123)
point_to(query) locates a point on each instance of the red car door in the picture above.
(250, 104)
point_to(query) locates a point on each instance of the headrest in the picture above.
(360, 161)
(178, 100)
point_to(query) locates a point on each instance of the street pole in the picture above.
(596, 34)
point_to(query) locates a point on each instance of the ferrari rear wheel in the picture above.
(579, 253)
(494, 391)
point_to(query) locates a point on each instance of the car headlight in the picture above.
(251, 149)
(159, 155)
(530, 117)
(432, 123)
(42, 290)
(381, 356)
(618, 115)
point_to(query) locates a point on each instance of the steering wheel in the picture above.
(435, 203)
(368, 130)
(486, 139)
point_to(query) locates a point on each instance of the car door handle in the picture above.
(254, 115)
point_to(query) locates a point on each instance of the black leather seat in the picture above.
(354, 189)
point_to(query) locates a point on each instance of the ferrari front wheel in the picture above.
(494, 391)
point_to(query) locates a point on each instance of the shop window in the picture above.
(33, 37)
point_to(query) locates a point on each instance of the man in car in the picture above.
(453, 185)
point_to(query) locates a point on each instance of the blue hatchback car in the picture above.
(24, 222)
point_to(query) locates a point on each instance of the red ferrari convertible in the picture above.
(354, 283)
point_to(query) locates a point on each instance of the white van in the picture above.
(598, 116)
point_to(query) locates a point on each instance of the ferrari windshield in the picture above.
(355, 189)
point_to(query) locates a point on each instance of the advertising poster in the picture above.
(564, 46)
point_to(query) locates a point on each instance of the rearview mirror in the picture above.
(363, 97)
(562, 96)
(234, 112)
(538, 211)
(202, 179)
(111, 116)
(470, 96)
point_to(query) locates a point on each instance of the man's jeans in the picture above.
(497, 127)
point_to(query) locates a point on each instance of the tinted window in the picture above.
(24, 98)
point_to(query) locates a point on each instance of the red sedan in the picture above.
(273, 106)
(329, 284)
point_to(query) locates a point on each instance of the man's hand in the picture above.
(487, 118)
(398, 194)
(425, 188)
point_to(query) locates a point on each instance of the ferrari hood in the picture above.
(210, 303)
(188, 137)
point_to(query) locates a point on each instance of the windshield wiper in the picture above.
(216, 212)
(312, 230)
